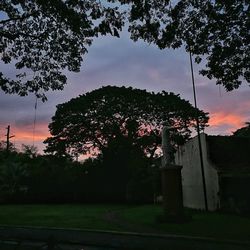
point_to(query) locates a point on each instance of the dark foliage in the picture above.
(91, 122)
(235, 194)
(215, 30)
(49, 179)
(229, 152)
(42, 38)
(243, 132)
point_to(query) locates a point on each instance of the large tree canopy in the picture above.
(212, 29)
(44, 37)
(112, 115)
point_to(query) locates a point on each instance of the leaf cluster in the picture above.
(217, 31)
(43, 38)
(90, 122)
(243, 132)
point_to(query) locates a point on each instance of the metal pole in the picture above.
(34, 123)
(199, 137)
(8, 139)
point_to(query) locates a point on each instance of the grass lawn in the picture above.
(216, 225)
(62, 216)
(211, 224)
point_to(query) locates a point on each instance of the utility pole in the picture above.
(8, 139)
(199, 137)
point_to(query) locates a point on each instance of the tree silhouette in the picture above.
(243, 132)
(215, 30)
(3, 147)
(30, 150)
(11, 176)
(111, 115)
(42, 38)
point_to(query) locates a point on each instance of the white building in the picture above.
(226, 169)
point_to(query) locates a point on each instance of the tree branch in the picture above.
(13, 36)
(21, 18)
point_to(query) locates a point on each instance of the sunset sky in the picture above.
(113, 61)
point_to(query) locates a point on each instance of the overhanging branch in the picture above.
(20, 18)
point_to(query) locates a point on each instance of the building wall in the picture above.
(188, 157)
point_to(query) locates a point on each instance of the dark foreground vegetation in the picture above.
(48, 179)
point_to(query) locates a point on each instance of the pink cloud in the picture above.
(24, 135)
(226, 122)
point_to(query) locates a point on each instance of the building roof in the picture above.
(229, 152)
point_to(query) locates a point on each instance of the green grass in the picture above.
(61, 216)
(216, 225)
(203, 224)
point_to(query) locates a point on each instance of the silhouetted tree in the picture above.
(12, 174)
(42, 38)
(30, 150)
(215, 30)
(243, 132)
(92, 122)
(4, 153)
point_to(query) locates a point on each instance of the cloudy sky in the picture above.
(113, 61)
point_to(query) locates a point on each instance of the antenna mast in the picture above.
(198, 132)
(34, 123)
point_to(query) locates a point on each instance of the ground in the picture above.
(125, 218)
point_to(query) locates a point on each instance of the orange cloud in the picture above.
(232, 121)
(25, 134)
